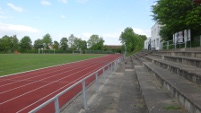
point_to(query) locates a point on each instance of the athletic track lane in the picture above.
(22, 92)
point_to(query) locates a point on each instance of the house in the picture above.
(154, 42)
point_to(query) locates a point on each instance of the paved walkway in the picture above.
(120, 94)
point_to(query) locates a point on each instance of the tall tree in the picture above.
(56, 45)
(6, 43)
(95, 42)
(1, 45)
(128, 39)
(14, 43)
(9, 43)
(83, 45)
(80, 44)
(64, 43)
(71, 40)
(25, 44)
(47, 40)
(38, 44)
(132, 42)
(177, 15)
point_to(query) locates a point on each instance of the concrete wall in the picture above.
(155, 38)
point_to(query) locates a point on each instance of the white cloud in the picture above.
(16, 8)
(62, 16)
(111, 35)
(81, 1)
(12, 29)
(142, 32)
(3, 17)
(85, 36)
(63, 1)
(45, 2)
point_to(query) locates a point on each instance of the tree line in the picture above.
(9, 44)
(132, 42)
(177, 15)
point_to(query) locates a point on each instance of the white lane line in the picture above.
(48, 95)
(6, 91)
(43, 86)
(38, 75)
(36, 89)
(49, 67)
(14, 81)
(46, 69)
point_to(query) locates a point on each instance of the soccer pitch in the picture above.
(15, 63)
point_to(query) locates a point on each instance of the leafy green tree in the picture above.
(1, 45)
(9, 43)
(56, 45)
(25, 44)
(95, 42)
(38, 44)
(128, 39)
(47, 40)
(83, 45)
(132, 42)
(5, 43)
(14, 43)
(71, 41)
(177, 15)
(80, 44)
(64, 43)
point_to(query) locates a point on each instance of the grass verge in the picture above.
(14, 63)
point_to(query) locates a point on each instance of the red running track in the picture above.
(23, 92)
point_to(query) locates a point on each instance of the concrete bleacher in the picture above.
(165, 76)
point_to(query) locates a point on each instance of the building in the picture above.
(154, 42)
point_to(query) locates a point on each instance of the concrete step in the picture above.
(185, 49)
(157, 99)
(193, 61)
(130, 100)
(141, 54)
(187, 93)
(196, 54)
(191, 73)
(136, 62)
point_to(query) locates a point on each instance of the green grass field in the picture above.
(14, 63)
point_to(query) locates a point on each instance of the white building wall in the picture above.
(146, 43)
(155, 38)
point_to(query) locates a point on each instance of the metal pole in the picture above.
(115, 65)
(200, 40)
(56, 104)
(97, 84)
(104, 75)
(84, 94)
(185, 43)
(167, 44)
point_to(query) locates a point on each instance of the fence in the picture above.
(112, 66)
(171, 45)
(97, 52)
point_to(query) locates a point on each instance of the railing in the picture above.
(167, 44)
(186, 44)
(112, 66)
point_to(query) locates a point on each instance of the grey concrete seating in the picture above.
(156, 98)
(185, 60)
(187, 71)
(177, 71)
(181, 53)
(187, 93)
(193, 61)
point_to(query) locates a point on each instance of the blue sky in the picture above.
(83, 18)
